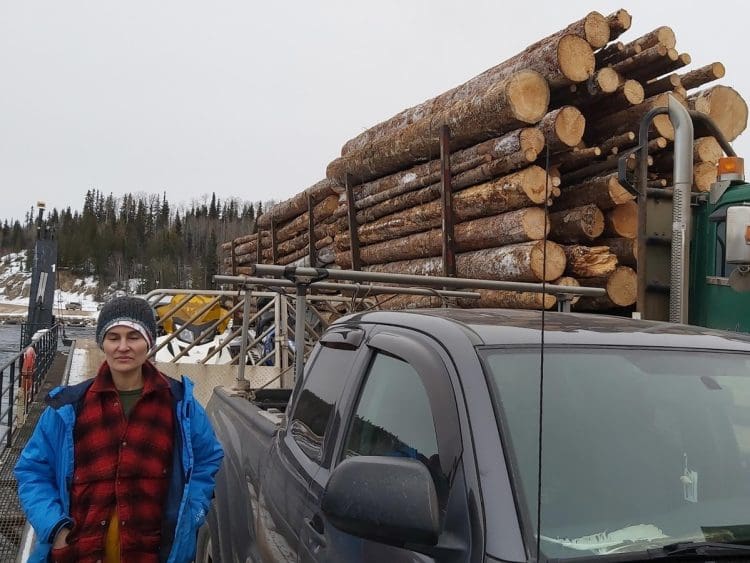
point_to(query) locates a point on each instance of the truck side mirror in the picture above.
(386, 499)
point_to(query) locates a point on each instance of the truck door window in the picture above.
(393, 416)
(319, 391)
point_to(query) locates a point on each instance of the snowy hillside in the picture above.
(15, 285)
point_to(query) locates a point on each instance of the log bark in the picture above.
(562, 128)
(621, 286)
(603, 191)
(527, 261)
(622, 221)
(619, 22)
(615, 53)
(488, 299)
(604, 81)
(628, 94)
(514, 191)
(498, 299)
(660, 85)
(319, 245)
(520, 99)
(701, 76)
(670, 63)
(624, 120)
(580, 224)
(589, 261)
(626, 250)
(661, 35)
(561, 59)
(724, 106)
(300, 223)
(297, 204)
(576, 158)
(643, 58)
(618, 142)
(513, 227)
(515, 149)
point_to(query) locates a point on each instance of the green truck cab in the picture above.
(693, 248)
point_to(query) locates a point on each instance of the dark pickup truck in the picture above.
(414, 437)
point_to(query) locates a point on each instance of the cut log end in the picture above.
(555, 260)
(570, 126)
(531, 138)
(533, 223)
(576, 58)
(622, 286)
(622, 221)
(569, 281)
(608, 80)
(528, 96)
(727, 109)
(633, 92)
(596, 29)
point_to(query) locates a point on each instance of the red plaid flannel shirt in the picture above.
(122, 464)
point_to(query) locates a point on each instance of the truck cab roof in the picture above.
(523, 327)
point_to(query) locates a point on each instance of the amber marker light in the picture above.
(731, 168)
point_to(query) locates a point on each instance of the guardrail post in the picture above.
(11, 400)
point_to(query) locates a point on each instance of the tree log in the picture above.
(319, 245)
(670, 63)
(619, 22)
(621, 286)
(615, 53)
(580, 224)
(498, 299)
(321, 211)
(617, 142)
(576, 158)
(589, 261)
(603, 191)
(628, 94)
(562, 128)
(661, 35)
(660, 85)
(520, 99)
(570, 282)
(704, 174)
(724, 106)
(707, 149)
(516, 262)
(514, 149)
(514, 191)
(561, 59)
(604, 81)
(513, 227)
(625, 120)
(641, 59)
(488, 299)
(622, 220)
(626, 250)
(700, 76)
(297, 204)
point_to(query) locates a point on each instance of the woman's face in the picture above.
(125, 349)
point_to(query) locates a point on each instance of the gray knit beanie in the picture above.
(133, 312)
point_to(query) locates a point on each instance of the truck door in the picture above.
(296, 455)
(402, 405)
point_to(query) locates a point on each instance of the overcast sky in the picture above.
(254, 99)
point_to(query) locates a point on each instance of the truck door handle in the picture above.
(316, 526)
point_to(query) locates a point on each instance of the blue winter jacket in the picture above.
(45, 471)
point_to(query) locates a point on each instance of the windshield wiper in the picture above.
(700, 548)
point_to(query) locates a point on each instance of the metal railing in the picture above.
(261, 304)
(18, 390)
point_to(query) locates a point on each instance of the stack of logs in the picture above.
(532, 146)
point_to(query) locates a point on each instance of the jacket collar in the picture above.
(153, 379)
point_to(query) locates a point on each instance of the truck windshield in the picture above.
(640, 449)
